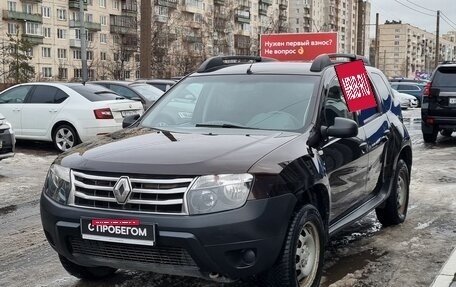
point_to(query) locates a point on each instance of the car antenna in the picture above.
(249, 69)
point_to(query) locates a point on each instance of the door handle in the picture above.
(53, 110)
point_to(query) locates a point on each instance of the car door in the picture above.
(11, 105)
(375, 124)
(41, 108)
(345, 159)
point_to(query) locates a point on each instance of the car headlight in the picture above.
(58, 185)
(214, 193)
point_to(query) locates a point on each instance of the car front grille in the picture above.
(149, 195)
(132, 253)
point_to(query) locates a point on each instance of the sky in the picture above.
(393, 10)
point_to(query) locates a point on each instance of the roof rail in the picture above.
(218, 62)
(324, 60)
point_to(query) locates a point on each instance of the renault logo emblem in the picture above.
(122, 189)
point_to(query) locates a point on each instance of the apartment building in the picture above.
(346, 17)
(406, 50)
(183, 32)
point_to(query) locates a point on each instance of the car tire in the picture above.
(446, 133)
(65, 137)
(302, 254)
(86, 273)
(395, 209)
(430, 137)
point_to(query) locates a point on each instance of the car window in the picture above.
(43, 95)
(445, 76)
(60, 96)
(15, 95)
(270, 102)
(123, 91)
(408, 88)
(147, 91)
(95, 93)
(334, 105)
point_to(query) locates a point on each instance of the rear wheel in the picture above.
(446, 133)
(86, 273)
(301, 260)
(395, 209)
(430, 137)
(65, 137)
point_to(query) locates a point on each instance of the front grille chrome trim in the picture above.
(152, 196)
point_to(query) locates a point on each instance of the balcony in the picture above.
(75, 43)
(243, 16)
(195, 24)
(161, 18)
(167, 3)
(118, 29)
(33, 39)
(192, 6)
(219, 2)
(74, 4)
(263, 11)
(283, 5)
(193, 39)
(244, 4)
(92, 26)
(22, 16)
(283, 17)
(267, 2)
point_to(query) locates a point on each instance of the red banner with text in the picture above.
(299, 46)
(355, 85)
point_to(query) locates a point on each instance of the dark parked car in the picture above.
(438, 112)
(147, 94)
(411, 88)
(162, 84)
(7, 139)
(269, 163)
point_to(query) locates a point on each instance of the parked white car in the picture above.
(64, 113)
(406, 100)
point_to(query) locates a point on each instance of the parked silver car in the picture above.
(7, 139)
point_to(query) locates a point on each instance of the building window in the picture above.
(11, 6)
(77, 54)
(12, 28)
(102, 3)
(29, 52)
(61, 14)
(127, 74)
(47, 32)
(103, 20)
(77, 73)
(46, 11)
(397, 36)
(46, 52)
(397, 30)
(103, 38)
(47, 72)
(115, 4)
(28, 8)
(61, 33)
(137, 74)
(103, 56)
(63, 73)
(396, 43)
(62, 53)
(33, 28)
(89, 55)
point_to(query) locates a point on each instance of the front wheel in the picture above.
(396, 205)
(301, 261)
(65, 137)
(86, 273)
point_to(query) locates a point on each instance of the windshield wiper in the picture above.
(228, 126)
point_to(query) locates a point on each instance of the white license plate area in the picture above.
(136, 234)
(452, 101)
(129, 113)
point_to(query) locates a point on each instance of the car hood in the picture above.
(149, 151)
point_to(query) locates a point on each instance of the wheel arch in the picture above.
(318, 196)
(406, 155)
(60, 123)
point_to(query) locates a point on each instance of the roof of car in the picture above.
(117, 82)
(158, 81)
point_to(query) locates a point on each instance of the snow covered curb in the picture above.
(448, 272)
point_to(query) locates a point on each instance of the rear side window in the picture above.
(95, 93)
(43, 95)
(445, 76)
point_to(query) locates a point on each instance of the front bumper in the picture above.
(8, 142)
(209, 246)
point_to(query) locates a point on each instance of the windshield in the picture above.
(267, 102)
(149, 92)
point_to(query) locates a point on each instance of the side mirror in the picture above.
(129, 120)
(342, 128)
